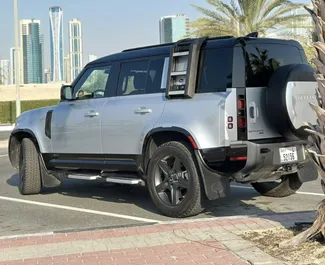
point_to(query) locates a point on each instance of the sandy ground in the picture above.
(310, 253)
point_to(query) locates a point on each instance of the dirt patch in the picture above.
(310, 253)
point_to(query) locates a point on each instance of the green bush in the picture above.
(8, 108)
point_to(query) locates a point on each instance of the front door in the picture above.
(75, 126)
(138, 106)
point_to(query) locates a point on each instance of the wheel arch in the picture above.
(14, 144)
(160, 135)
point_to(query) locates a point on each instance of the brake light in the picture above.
(241, 122)
(241, 104)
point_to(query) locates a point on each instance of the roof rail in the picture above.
(150, 46)
(172, 43)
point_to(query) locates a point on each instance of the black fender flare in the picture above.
(215, 185)
(48, 180)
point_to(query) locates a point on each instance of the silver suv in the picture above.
(185, 119)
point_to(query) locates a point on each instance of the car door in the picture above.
(137, 107)
(75, 125)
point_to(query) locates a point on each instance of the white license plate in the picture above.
(288, 154)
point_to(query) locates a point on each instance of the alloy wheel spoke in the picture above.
(175, 195)
(177, 164)
(183, 183)
(164, 167)
(162, 187)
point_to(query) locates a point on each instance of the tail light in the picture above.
(241, 104)
(241, 115)
(241, 122)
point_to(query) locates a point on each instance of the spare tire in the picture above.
(290, 90)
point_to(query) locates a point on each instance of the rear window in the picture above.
(216, 70)
(262, 60)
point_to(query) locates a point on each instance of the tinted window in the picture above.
(133, 78)
(262, 60)
(154, 79)
(93, 83)
(216, 73)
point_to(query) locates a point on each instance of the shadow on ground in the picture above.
(234, 205)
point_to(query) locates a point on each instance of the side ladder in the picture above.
(183, 68)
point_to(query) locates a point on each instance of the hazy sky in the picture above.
(108, 25)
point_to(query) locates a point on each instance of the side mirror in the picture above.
(66, 92)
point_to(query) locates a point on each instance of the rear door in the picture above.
(261, 61)
(137, 107)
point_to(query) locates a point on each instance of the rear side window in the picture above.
(262, 60)
(216, 70)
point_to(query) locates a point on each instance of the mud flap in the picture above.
(48, 180)
(308, 172)
(216, 186)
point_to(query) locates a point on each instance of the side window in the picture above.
(155, 75)
(262, 60)
(92, 83)
(133, 78)
(216, 71)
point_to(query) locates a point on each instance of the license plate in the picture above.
(288, 154)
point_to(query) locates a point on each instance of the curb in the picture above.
(6, 128)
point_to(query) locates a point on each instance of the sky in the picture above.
(109, 26)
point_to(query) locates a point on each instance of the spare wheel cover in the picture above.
(288, 102)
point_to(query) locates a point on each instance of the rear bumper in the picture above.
(248, 162)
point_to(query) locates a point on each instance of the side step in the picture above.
(116, 179)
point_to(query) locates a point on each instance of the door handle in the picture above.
(91, 114)
(142, 110)
(253, 112)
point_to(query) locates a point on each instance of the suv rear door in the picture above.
(262, 59)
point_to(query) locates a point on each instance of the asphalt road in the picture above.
(4, 135)
(86, 205)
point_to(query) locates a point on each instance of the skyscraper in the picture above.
(12, 66)
(4, 72)
(32, 51)
(56, 42)
(75, 45)
(173, 28)
(67, 69)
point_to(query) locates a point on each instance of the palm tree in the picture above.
(242, 17)
(317, 137)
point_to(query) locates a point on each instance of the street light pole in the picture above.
(17, 59)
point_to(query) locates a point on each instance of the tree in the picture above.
(242, 17)
(317, 132)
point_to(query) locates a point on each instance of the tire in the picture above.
(191, 205)
(29, 169)
(288, 186)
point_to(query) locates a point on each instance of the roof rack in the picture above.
(173, 43)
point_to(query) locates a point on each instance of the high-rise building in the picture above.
(32, 52)
(47, 75)
(75, 48)
(67, 69)
(92, 57)
(4, 72)
(173, 28)
(56, 43)
(12, 66)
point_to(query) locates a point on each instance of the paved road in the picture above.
(83, 205)
(4, 135)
